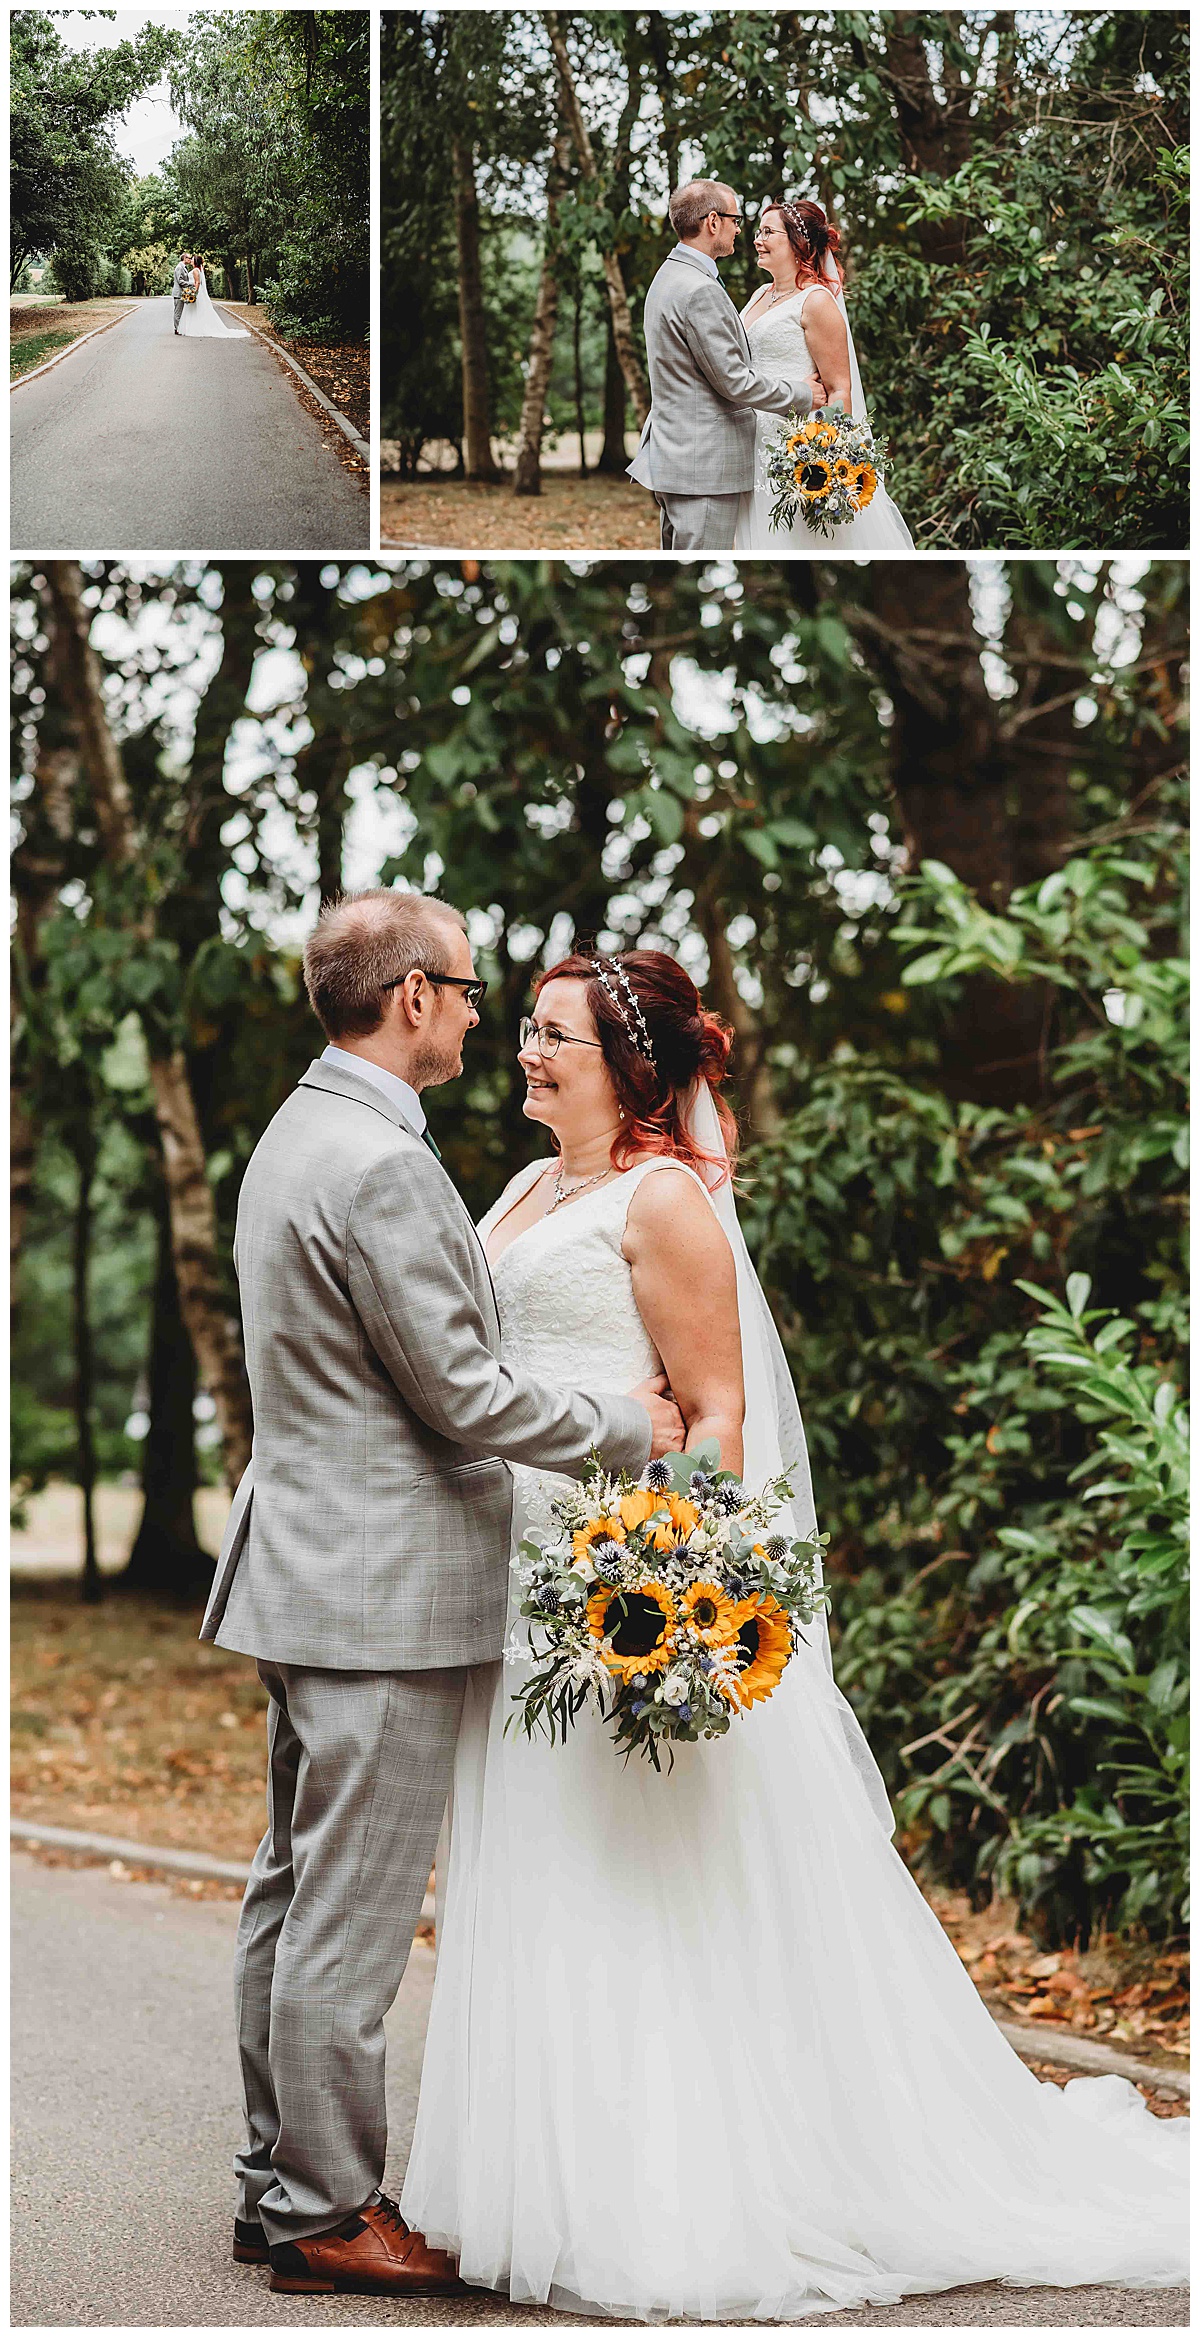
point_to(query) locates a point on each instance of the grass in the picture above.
(25, 354)
(36, 330)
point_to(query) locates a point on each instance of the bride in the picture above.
(697, 2044)
(798, 325)
(200, 321)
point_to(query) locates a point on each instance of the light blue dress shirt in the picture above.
(705, 258)
(397, 1090)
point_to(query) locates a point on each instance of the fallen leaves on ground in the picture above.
(123, 1723)
(570, 514)
(1115, 1992)
(342, 371)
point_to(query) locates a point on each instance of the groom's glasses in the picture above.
(473, 992)
(736, 216)
(548, 1039)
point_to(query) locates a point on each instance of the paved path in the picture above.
(142, 442)
(126, 2108)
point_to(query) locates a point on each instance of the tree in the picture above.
(67, 179)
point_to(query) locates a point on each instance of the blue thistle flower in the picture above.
(658, 1476)
(777, 1546)
(606, 1558)
(731, 1495)
(701, 1485)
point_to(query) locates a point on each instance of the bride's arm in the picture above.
(685, 1289)
(825, 333)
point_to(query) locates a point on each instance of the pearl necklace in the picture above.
(567, 1192)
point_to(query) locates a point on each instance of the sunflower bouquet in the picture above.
(669, 1603)
(826, 468)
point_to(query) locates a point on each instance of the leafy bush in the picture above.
(1011, 1620)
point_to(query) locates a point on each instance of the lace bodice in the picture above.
(777, 338)
(565, 1291)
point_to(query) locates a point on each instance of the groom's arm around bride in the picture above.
(697, 449)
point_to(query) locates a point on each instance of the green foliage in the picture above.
(1012, 1620)
(745, 767)
(67, 178)
(273, 176)
(1011, 193)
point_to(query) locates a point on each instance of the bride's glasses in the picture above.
(547, 1039)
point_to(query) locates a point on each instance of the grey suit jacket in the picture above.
(181, 280)
(699, 434)
(371, 1531)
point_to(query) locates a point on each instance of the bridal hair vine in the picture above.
(633, 1018)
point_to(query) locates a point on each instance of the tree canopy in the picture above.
(1011, 189)
(920, 836)
(68, 180)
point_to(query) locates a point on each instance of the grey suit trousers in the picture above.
(360, 1769)
(178, 309)
(697, 523)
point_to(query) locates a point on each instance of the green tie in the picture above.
(426, 1138)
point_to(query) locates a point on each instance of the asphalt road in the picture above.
(144, 442)
(126, 2109)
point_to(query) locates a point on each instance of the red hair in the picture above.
(810, 235)
(688, 1043)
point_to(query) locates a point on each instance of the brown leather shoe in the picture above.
(372, 2253)
(249, 2243)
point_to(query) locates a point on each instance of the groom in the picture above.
(365, 1565)
(697, 448)
(181, 282)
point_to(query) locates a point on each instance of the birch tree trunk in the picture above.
(214, 1337)
(477, 426)
(528, 479)
(618, 299)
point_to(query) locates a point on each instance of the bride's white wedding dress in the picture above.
(200, 321)
(778, 346)
(697, 2044)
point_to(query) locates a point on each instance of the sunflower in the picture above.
(635, 1628)
(845, 473)
(765, 1641)
(814, 479)
(601, 1529)
(681, 1516)
(868, 480)
(818, 433)
(796, 439)
(709, 1613)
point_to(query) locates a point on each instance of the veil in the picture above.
(833, 283)
(204, 323)
(774, 1431)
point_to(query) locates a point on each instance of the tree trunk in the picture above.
(528, 478)
(472, 326)
(658, 39)
(613, 458)
(83, 1144)
(618, 299)
(577, 359)
(959, 785)
(38, 868)
(166, 1554)
(214, 1337)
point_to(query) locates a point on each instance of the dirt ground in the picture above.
(39, 329)
(571, 514)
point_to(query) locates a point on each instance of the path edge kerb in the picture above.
(63, 354)
(196, 1863)
(1084, 2054)
(347, 428)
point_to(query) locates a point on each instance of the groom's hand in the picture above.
(667, 1426)
(820, 395)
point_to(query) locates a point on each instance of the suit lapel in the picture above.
(333, 1080)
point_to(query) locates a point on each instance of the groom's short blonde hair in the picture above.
(690, 204)
(366, 942)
